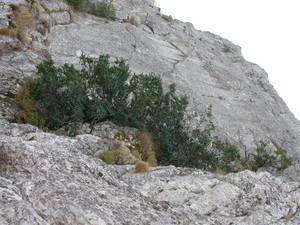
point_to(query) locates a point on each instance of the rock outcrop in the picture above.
(50, 179)
(204, 66)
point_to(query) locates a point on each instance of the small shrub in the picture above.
(142, 167)
(228, 154)
(264, 158)
(123, 156)
(285, 159)
(60, 94)
(167, 18)
(103, 9)
(108, 157)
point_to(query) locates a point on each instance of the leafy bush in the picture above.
(103, 90)
(76, 4)
(285, 159)
(102, 9)
(264, 158)
(167, 18)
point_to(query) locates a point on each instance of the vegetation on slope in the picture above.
(105, 90)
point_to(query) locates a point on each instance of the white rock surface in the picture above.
(49, 179)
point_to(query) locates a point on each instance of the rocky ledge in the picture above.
(51, 179)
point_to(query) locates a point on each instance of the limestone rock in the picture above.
(5, 11)
(50, 179)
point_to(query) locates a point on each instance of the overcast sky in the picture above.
(267, 30)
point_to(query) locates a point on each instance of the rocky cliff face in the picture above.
(50, 179)
(206, 67)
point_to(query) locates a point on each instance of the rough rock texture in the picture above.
(53, 179)
(50, 179)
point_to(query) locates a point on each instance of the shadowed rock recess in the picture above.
(47, 178)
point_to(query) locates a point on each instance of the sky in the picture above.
(267, 30)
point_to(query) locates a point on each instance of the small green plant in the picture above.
(264, 158)
(108, 157)
(102, 9)
(167, 18)
(285, 159)
(76, 4)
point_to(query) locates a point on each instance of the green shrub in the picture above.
(167, 18)
(102, 9)
(76, 4)
(103, 90)
(264, 158)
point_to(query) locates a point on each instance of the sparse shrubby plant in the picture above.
(76, 4)
(285, 159)
(167, 18)
(142, 167)
(133, 20)
(103, 90)
(101, 9)
(264, 158)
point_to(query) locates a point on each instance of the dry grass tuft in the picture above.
(142, 167)
(10, 32)
(123, 156)
(23, 19)
(134, 20)
(149, 148)
(120, 155)
(108, 157)
(27, 105)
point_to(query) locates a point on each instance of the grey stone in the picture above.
(5, 11)
(61, 17)
(50, 179)
(54, 5)
(13, 2)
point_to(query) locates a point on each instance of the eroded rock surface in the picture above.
(204, 66)
(50, 179)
